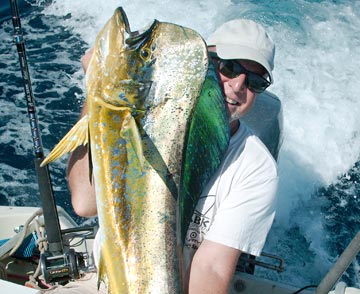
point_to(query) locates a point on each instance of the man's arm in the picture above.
(212, 268)
(82, 190)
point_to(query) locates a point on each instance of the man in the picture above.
(236, 210)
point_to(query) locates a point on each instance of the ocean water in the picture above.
(316, 77)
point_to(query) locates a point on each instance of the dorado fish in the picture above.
(155, 121)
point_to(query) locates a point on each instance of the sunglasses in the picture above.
(232, 69)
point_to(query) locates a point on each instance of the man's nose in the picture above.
(238, 83)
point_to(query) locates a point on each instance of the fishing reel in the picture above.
(65, 267)
(68, 264)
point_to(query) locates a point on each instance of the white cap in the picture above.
(244, 39)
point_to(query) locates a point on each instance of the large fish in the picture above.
(157, 128)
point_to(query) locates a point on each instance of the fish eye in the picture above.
(145, 54)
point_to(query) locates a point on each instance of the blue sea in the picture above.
(316, 77)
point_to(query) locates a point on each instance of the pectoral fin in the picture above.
(132, 132)
(77, 136)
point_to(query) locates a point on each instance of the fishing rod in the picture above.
(59, 263)
(51, 218)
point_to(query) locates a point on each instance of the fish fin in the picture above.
(135, 138)
(101, 272)
(90, 161)
(77, 136)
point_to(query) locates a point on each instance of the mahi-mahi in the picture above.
(156, 128)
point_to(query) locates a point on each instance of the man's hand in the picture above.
(85, 60)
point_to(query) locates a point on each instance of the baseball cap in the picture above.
(244, 39)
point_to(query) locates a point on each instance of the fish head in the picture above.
(120, 70)
(144, 69)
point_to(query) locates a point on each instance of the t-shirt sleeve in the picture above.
(244, 217)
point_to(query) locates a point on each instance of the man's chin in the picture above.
(234, 114)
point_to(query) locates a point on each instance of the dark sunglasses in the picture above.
(232, 69)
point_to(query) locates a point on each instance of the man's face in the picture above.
(238, 98)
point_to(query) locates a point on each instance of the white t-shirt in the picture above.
(237, 207)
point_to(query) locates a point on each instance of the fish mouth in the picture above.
(134, 39)
(137, 39)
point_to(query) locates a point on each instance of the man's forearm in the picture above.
(82, 190)
(212, 268)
